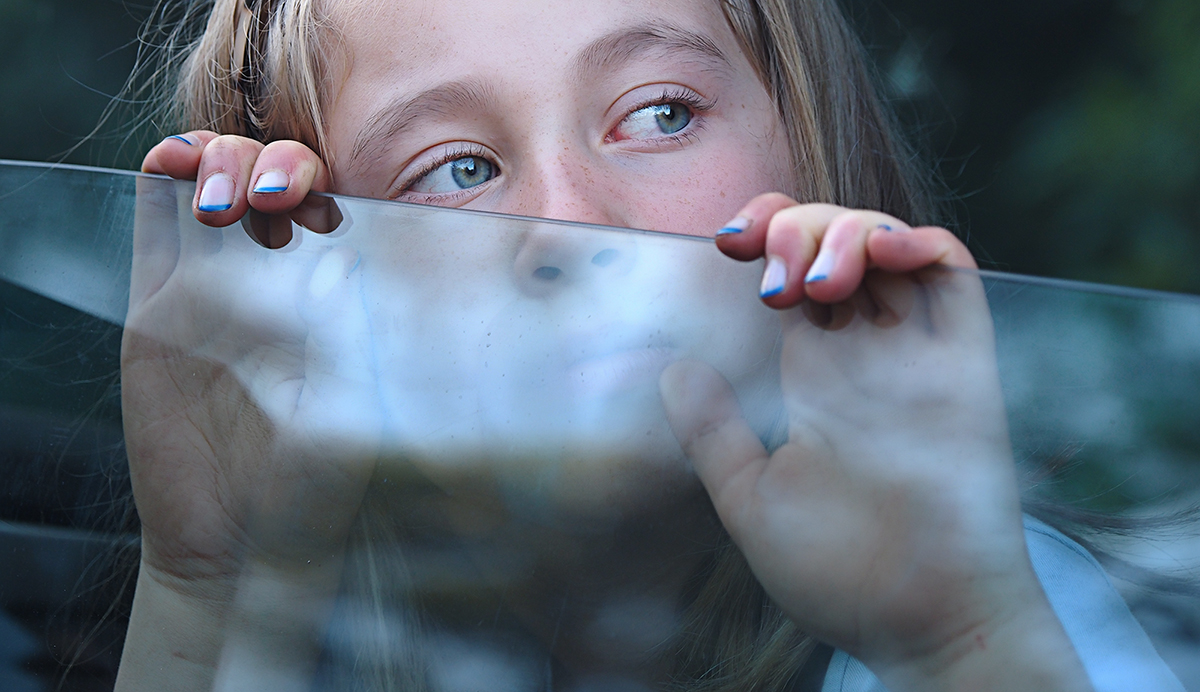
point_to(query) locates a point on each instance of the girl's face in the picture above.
(641, 114)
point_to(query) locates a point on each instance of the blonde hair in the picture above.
(257, 71)
(254, 68)
(840, 134)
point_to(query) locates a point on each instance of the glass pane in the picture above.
(431, 447)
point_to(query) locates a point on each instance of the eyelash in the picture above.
(692, 100)
(458, 152)
(676, 95)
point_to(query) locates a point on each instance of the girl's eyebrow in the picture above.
(447, 98)
(601, 55)
(652, 38)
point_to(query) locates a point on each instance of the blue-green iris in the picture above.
(470, 171)
(671, 117)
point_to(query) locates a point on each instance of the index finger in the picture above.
(744, 237)
(178, 155)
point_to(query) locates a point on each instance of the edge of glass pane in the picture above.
(1129, 292)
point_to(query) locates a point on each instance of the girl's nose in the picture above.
(553, 259)
(567, 184)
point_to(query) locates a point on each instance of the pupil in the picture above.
(470, 171)
(672, 118)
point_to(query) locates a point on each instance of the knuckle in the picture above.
(222, 143)
(232, 147)
(293, 156)
(882, 219)
(823, 209)
(788, 221)
(849, 218)
(279, 146)
(777, 199)
(203, 137)
(290, 149)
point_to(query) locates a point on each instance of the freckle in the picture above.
(722, 194)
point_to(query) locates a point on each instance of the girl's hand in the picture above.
(254, 346)
(252, 426)
(238, 175)
(889, 524)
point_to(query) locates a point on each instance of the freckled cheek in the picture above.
(713, 192)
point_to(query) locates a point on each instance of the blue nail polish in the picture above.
(272, 182)
(216, 194)
(735, 226)
(821, 267)
(774, 278)
(183, 139)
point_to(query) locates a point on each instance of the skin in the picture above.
(914, 563)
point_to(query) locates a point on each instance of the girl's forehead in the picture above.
(423, 73)
(524, 38)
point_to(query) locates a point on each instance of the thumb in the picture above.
(705, 416)
(340, 398)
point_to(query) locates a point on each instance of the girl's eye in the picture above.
(655, 121)
(458, 174)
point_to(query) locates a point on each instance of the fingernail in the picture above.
(335, 266)
(774, 278)
(186, 140)
(821, 267)
(271, 181)
(217, 194)
(738, 225)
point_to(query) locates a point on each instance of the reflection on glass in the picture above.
(428, 449)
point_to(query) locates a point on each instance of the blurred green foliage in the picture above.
(1116, 161)
(1066, 130)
